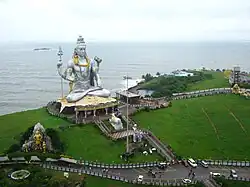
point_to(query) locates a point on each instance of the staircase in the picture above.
(117, 135)
(102, 127)
(122, 134)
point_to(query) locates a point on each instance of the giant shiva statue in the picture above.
(82, 74)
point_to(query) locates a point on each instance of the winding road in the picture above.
(174, 173)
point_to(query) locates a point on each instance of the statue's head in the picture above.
(80, 47)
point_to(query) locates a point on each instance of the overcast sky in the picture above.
(124, 20)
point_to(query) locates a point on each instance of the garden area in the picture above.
(211, 127)
(80, 142)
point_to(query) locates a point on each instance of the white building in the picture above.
(179, 73)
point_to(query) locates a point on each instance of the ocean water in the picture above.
(29, 79)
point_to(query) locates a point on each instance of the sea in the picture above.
(29, 79)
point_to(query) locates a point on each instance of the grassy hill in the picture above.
(218, 81)
(84, 142)
(215, 127)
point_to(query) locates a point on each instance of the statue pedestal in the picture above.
(88, 107)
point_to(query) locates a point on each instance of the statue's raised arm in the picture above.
(65, 73)
(83, 74)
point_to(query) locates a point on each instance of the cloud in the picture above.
(130, 20)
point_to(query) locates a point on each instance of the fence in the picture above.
(238, 179)
(200, 93)
(119, 166)
(99, 165)
(227, 163)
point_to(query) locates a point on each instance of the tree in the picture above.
(147, 77)
(158, 74)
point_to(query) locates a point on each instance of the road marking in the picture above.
(144, 170)
(140, 170)
(169, 170)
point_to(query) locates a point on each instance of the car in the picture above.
(153, 149)
(192, 162)
(215, 174)
(140, 178)
(204, 164)
(162, 165)
(186, 181)
(233, 173)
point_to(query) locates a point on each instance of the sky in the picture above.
(124, 20)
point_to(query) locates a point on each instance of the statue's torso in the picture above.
(81, 73)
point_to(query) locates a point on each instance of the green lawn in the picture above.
(218, 81)
(84, 142)
(215, 127)
(11, 125)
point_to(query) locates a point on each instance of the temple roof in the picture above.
(127, 94)
(86, 101)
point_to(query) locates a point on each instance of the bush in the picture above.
(13, 148)
(56, 142)
(25, 136)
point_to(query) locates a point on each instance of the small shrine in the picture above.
(242, 92)
(236, 89)
(38, 141)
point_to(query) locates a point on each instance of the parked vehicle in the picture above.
(233, 173)
(215, 174)
(192, 162)
(186, 181)
(204, 164)
(162, 165)
(140, 178)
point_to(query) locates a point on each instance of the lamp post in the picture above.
(60, 53)
(127, 146)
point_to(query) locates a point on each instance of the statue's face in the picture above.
(81, 50)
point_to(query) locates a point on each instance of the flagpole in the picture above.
(127, 146)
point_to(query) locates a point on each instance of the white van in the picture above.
(192, 162)
(140, 178)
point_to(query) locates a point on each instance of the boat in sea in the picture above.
(127, 77)
(42, 49)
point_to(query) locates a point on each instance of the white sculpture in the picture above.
(82, 74)
(116, 122)
(38, 127)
